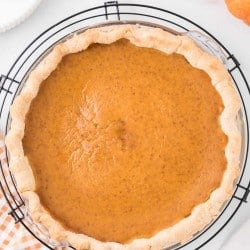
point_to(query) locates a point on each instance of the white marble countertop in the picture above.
(210, 14)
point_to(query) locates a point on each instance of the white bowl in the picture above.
(13, 12)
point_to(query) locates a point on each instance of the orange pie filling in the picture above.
(124, 141)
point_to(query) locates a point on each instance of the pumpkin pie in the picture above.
(125, 137)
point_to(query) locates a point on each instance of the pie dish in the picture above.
(125, 137)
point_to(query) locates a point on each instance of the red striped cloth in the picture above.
(13, 236)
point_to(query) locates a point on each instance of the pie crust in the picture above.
(142, 36)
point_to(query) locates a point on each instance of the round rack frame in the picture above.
(114, 12)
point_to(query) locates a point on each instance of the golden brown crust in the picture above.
(143, 36)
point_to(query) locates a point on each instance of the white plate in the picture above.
(13, 12)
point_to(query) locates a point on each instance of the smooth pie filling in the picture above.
(124, 141)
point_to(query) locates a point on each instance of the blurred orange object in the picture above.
(240, 9)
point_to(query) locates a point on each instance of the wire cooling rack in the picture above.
(109, 13)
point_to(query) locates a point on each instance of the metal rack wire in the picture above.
(11, 84)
